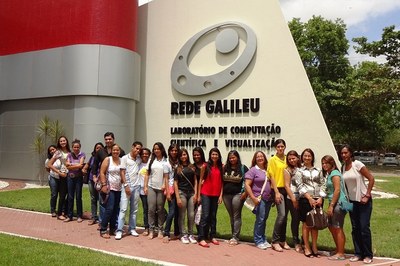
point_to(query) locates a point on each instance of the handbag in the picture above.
(344, 202)
(317, 219)
(249, 202)
(197, 216)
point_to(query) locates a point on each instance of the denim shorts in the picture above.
(337, 220)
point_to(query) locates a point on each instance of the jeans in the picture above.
(62, 200)
(209, 208)
(173, 214)
(294, 225)
(145, 207)
(75, 189)
(360, 222)
(94, 198)
(234, 206)
(187, 207)
(111, 210)
(156, 201)
(279, 234)
(262, 212)
(133, 208)
(54, 184)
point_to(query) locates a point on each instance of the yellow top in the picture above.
(275, 170)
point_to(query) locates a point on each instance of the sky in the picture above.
(362, 17)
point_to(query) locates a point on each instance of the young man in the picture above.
(131, 189)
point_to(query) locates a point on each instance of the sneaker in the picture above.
(118, 236)
(367, 260)
(262, 246)
(67, 220)
(185, 240)
(192, 240)
(268, 245)
(134, 233)
(354, 258)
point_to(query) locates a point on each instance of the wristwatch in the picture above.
(125, 185)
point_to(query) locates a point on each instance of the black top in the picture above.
(233, 181)
(183, 183)
(100, 156)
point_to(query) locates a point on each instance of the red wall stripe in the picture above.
(30, 25)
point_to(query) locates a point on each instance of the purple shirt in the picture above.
(258, 176)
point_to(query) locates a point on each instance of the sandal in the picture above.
(316, 254)
(204, 244)
(232, 242)
(166, 239)
(298, 248)
(214, 241)
(310, 255)
(284, 245)
(277, 247)
(105, 235)
(336, 258)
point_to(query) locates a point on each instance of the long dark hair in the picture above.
(293, 153)
(329, 159)
(201, 151)
(171, 162)
(153, 155)
(312, 154)
(94, 148)
(228, 166)
(210, 163)
(59, 146)
(49, 155)
(349, 148)
(181, 165)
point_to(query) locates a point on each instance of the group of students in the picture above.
(289, 181)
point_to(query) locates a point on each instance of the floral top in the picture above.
(311, 181)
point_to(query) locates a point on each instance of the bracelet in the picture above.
(125, 185)
(368, 196)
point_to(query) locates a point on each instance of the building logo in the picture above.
(228, 36)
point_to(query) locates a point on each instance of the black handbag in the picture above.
(317, 219)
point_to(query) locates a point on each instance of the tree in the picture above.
(388, 46)
(47, 132)
(323, 46)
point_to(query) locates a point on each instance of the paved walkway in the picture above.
(43, 226)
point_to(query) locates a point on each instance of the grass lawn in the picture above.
(385, 224)
(25, 251)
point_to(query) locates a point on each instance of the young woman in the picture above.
(334, 191)
(173, 212)
(156, 181)
(311, 195)
(354, 174)
(185, 184)
(210, 191)
(61, 154)
(276, 166)
(257, 181)
(144, 155)
(94, 194)
(111, 182)
(292, 174)
(54, 179)
(234, 193)
(75, 163)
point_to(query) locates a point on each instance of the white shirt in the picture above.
(355, 181)
(131, 165)
(158, 169)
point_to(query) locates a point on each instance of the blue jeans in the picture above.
(94, 198)
(209, 208)
(75, 188)
(54, 184)
(111, 210)
(133, 208)
(262, 212)
(361, 233)
(62, 199)
(173, 214)
(145, 207)
(279, 234)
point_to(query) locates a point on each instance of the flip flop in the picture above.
(336, 258)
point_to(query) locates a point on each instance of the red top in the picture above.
(28, 25)
(212, 183)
